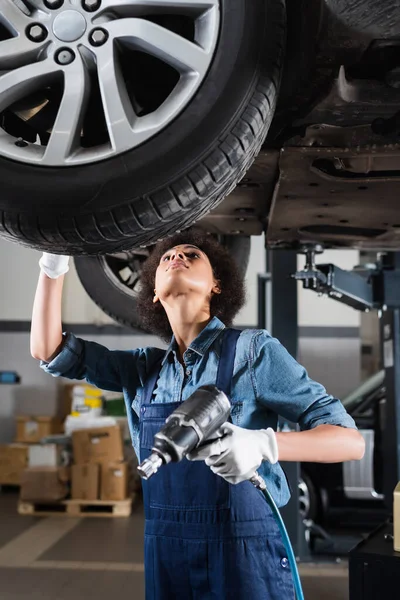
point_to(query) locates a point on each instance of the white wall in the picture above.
(19, 271)
(248, 315)
(77, 306)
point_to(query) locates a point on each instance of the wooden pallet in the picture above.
(77, 508)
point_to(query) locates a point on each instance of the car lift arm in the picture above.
(362, 290)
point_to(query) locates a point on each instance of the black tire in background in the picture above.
(175, 178)
(112, 281)
(309, 501)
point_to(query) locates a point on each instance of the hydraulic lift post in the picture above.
(367, 289)
(277, 312)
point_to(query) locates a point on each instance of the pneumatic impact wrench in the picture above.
(194, 422)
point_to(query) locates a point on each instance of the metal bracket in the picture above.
(350, 288)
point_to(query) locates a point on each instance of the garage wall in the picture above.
(19, 271)
(18, 276)
(328, 344)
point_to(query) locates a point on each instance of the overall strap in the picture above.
(227, 360)
(152, 380)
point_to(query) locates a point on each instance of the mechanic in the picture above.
(209, 533)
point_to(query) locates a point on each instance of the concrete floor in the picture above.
(60, 558)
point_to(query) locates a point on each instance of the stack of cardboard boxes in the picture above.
(46, 476)
(99, 471)
(87, 462)
(13, 461)
(15, 458)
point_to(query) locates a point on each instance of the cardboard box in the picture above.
(396, 518)
(13, 462)
(85, 482)
(45, 484)
(45, 455)
(32, 429)
(103, 444)
(114, 481)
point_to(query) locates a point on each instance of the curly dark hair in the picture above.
(225, 305)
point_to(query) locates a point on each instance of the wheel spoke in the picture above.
(139, 6)
(17, 51)
(17, 84)
(118, 110)
(12, 16)
(66, 132)
(173, 49)
(135, 281)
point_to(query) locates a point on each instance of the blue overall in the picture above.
(204, 538)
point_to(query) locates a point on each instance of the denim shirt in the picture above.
(267, 382)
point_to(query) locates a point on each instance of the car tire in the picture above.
(112, 282)
(309, 502)
(173, 179)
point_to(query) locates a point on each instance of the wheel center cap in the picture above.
(69, 26)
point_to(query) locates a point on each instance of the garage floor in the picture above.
(62, 558)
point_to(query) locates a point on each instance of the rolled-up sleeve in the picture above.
(283, 385)
(104, 368)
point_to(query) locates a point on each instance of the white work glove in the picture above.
(54, 265)
(238, 454)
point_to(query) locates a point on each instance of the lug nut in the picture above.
(91, 5)
(98, 37)
(53, 4)
(36, 33)
(65, 56)
(20, 143)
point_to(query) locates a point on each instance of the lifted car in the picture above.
(123, 121)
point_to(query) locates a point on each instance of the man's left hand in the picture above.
(237, 455)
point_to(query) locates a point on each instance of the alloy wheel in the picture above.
(82, 81)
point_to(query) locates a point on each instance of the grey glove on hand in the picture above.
(237, 455)
(54, 265)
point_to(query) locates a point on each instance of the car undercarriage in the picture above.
(329, 171)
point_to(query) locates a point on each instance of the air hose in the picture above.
(260, 484)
